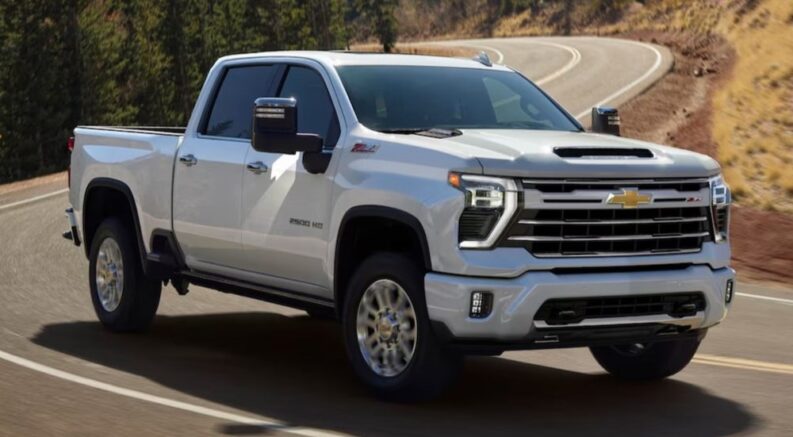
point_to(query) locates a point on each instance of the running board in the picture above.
(292, 299)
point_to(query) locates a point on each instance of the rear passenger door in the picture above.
(286, 209)
(207, 192)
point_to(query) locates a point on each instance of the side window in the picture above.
(231, 111)
(315, 112)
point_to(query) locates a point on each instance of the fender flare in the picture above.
(385, 212)
(122, 188)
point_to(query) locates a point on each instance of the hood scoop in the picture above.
(603, 153)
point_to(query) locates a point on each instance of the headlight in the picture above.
(489, 204)
(720, 199)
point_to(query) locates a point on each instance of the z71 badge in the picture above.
(364, 148)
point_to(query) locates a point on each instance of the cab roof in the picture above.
(341, 58)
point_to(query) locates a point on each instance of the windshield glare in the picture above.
(405, 98)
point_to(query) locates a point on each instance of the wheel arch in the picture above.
(94, 211)
(382, 217)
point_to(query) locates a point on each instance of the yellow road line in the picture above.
(742, 363)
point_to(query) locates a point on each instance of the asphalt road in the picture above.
(220, 364)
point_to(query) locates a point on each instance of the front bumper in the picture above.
(517, 300)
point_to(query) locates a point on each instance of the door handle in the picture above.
(188, 160)
(257, 167)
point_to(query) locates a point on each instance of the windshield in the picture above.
(404, 99)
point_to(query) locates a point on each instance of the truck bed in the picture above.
(139, 157)
(159, 130)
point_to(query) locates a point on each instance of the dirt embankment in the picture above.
(678, 111)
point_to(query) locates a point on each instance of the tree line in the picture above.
(142, 62)
(137, 62)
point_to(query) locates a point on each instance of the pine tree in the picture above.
(102, 61)
(35, 71)
(379, 14)
(138, 62)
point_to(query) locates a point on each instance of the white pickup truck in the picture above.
(437, 207)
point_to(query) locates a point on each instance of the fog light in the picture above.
(481, 304)
(728, 291)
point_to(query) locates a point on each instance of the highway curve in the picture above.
(219, 364)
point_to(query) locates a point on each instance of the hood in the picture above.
(554, 154)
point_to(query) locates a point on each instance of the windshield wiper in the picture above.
(434, 132)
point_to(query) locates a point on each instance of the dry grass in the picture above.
(753, 112)
(32, 183)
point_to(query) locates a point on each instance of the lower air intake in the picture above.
(572, 311)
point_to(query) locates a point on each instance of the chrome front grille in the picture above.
(564, 218)
(569, 185)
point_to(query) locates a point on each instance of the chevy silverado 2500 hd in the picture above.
(436, 206)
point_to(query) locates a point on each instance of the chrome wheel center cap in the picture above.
(387, 327)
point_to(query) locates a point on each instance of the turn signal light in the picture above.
(728, 291)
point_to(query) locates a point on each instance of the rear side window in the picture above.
(231, 111)
(315, 112)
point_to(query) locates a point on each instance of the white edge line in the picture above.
(626, 88)
(773, 299)
(623, 90)
(33, 199)
(179, 405)
(574, 60)
(572, 63)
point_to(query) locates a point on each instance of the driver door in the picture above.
(285, 209)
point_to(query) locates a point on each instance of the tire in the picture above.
(646, 362)
(431, 367)
(132, 306)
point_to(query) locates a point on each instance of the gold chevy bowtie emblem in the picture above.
(628, 199)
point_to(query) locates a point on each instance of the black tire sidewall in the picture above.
(659, 360)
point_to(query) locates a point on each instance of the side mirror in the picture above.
(275, 128)
(606, 121)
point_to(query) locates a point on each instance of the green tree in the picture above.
(102, 60)
(135, 62)
(35, 72)
(379, 14)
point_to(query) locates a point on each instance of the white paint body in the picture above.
(234, 223)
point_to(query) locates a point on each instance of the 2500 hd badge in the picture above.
(306, 223)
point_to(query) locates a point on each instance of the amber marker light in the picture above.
(454, 179)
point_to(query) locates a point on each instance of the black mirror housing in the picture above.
(275, 128)
(606, 120)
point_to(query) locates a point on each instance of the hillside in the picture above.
(741, 49)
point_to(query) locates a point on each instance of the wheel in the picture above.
(124, 298)
(646, 361)
(387, 332)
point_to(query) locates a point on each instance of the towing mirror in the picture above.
(275, 128)
(605, 121)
